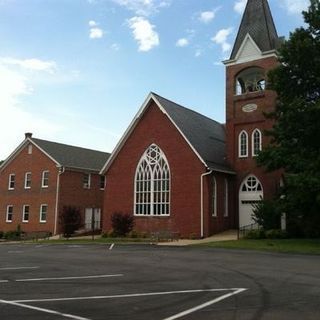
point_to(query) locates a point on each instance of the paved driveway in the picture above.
(39, 282)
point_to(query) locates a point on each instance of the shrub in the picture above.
(121, 223)
(1, 234)
(267, 213)
(276, 234)
(70, 220)
(256, 234)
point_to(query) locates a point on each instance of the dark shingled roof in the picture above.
(73, 157)
(258, 22)
(205, 135)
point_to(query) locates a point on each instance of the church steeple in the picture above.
(257, 22)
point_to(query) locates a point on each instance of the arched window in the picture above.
(214, 197)
(152, 184)
(243, 144)
(250, 80)
(226, 198)
(251, 184)
(256, 142)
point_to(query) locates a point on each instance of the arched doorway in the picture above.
(250, 193)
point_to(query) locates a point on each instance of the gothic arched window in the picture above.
(243, 144)
(250, 80)
(256, 142)
(152, 184)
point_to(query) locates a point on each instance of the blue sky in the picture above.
(77, 71)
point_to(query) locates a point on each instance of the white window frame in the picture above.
(87, 185)
(226, 198)
(41, 213)
(152, 202)
(214, 197)
(24, 213)
(26, 180)
(243, 132)
(104, 182)
(11, 175)
(254, 153)
(7, 213)
(30, 149)
(43, 179)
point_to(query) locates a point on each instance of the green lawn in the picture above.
(304, 246)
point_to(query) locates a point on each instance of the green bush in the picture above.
(276, 234)
(256, 234)
(70, 220)
(1, 234)
(122, 223)
(267, 214)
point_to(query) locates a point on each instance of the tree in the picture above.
(295, 137)
(70, 220)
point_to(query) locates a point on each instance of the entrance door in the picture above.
(250, 193)
(88, 218)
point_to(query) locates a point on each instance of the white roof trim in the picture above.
(18, 149)
(133, 124)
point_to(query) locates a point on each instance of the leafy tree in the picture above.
(295, 137)
(121, 223)
(70, 220)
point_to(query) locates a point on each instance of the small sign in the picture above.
(249, 107)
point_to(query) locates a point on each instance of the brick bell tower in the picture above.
(253, 55)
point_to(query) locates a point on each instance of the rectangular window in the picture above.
(25, 213)
(86, 180)
(9, 215)
(45, 179)
(12, 179)
(27, 180)
(43, 212)
(226, 191)
(102, 182)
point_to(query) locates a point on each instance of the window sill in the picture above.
(249, 95)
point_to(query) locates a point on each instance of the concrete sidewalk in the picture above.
(223, 236)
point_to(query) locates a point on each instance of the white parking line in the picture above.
(133, 295)
(70, 278)
(4, 281)
(204, 305)
(18, 268)
(66, 315)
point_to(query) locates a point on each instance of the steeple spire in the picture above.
(257, 21)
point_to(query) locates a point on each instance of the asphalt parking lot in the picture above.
(91, 282)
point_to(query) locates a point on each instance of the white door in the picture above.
(88, 218)
(250, 193)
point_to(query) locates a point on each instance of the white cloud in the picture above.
(183, 42)
(115, 47)
(239, 6)
(221, 38)
(96, 33)
(92, 23)
(198, 53)
(30, 64)
(144, 33)
(295, 6)
(14, 119)
(207, 16)
(143, 7)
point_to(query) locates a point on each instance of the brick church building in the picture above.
(177, 170)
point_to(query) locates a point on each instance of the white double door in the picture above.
(95, 215)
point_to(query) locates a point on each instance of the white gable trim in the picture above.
(20, 147)
(133, 124)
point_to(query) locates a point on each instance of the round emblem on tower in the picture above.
(249, 107)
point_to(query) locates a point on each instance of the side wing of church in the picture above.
(176, 170)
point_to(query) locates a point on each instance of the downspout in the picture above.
(61, 171)
(201, 207)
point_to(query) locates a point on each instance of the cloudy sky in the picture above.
(77, 71)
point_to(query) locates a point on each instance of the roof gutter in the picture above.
(201, 205)
(61, 170)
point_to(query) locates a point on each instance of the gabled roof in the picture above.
(65, 155)
(205, 136)
(257, 21)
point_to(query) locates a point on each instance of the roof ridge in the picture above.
(186, 108)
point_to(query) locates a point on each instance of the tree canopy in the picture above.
(295, 137)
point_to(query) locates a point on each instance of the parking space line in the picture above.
(4, 281)
(204, 305)
(18, 268)
(65, 315)
(70, 278)
(134, 295)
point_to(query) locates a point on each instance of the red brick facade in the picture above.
(69, 193)
(185, 169)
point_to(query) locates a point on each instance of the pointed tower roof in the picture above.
(257, 21)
